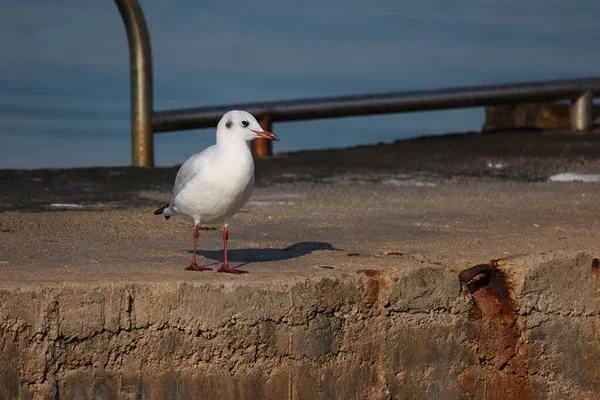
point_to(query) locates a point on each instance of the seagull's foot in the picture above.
(196, 267)
(225, 268)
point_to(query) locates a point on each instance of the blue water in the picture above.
(64, 85)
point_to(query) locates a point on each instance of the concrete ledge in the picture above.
(438, 268)
(313, 337)
(405, 332)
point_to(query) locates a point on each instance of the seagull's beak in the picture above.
(266, 135)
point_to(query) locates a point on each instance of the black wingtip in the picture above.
(167, 217)
(161, 210)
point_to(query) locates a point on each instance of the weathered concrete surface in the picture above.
(354, 291)
(521, 156)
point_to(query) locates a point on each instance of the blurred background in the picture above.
(64, 66)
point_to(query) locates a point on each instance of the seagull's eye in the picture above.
(245, 123)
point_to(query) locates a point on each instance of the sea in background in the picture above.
(64, 73)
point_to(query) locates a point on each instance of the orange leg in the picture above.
(225, 266)
(193, 266)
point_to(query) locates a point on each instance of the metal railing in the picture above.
(145, 122)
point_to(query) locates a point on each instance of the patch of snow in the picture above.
(271, 203)
(407, 182)
(65, 205)
(574, 177)
(495, 165)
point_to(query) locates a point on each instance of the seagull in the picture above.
(213, 185)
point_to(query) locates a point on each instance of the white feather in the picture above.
(213, 185)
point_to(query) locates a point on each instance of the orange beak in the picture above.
(266, 135)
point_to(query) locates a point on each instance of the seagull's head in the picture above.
(241, 124)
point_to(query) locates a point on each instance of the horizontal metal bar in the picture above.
(384, 103)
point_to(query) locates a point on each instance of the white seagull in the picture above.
(213, 185)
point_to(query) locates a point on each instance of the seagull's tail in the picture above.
(162, 211)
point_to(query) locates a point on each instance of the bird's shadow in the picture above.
(247, 256)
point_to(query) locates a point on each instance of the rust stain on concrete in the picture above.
(378, 286)
(371, 273)
(501, 367)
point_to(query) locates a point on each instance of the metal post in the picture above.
(264, 147)
(581, 112)
(140, 64)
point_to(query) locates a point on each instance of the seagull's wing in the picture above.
(192, 167)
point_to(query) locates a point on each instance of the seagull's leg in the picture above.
(225, 266)
(193, 266)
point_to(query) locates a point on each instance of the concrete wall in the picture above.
(526, 328)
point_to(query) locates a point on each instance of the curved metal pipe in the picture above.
(140, 64)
